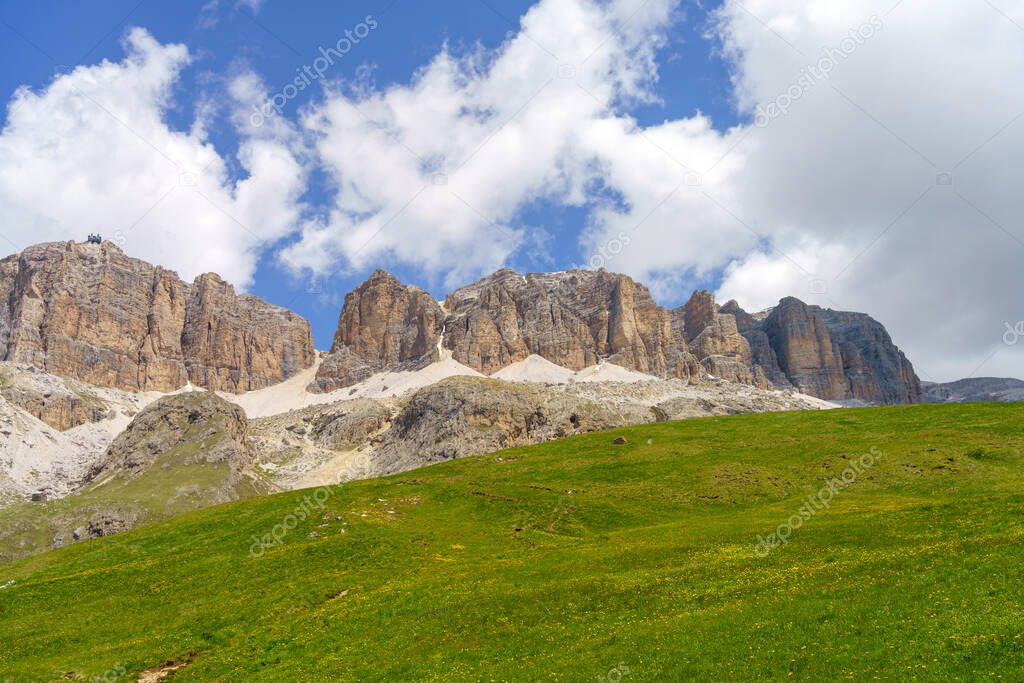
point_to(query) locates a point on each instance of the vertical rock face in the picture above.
(714, 338)
(762, 354)
(829, 354)
(89, 312)
(240, 343)
(805, 351)
(573, 319)
(384, 325)
(580, 318)
(84, 311)
(877, 370)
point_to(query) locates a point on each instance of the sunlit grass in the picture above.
(568, 559)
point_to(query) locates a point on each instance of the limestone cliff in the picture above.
(574, 319)
(384, 325)
(89, 312)
(578, 319)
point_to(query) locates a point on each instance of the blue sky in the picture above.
(852, 153)
(47, 38)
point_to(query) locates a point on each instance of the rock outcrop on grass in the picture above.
(181, 453)
(464, 416)
(181, 430)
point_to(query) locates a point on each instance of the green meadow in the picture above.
(576, 560)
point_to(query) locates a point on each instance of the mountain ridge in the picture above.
(578, 319)
(91, 313)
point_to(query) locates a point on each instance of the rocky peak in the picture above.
(805, 351)
(830, 354)
(574, 319)
(240, 343)
(699, 313)
(876, 369)
(89, 312)
(744, 321)
(384, 324)
(715, 340)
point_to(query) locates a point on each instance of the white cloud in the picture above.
(209, 13)
(92, 152)
(854, 167)
(836, 202)
(434, 173)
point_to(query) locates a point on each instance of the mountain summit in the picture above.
(579, 319)
(90, 312)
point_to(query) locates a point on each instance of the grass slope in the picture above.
(178, 480)
(576, 560)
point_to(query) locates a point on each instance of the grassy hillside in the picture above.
(172, 472)
(578, 560)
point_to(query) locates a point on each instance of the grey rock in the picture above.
(975, 389)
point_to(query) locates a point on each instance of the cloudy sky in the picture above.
(861, 155)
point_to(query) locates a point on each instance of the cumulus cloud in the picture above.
(885, 187)
(93, 152)
(435, 173)
(871, 175)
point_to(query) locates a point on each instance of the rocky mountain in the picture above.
(383, 325)
(713, 336)
(833, 355)
(573, 319)
(182, 452)
(89, 312)
(579, 319)
(62, 404)
(463, 416)
(974, 389)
